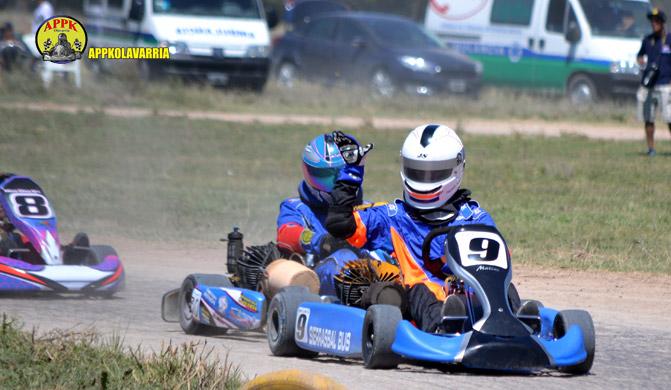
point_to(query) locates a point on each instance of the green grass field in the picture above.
(85, 360)
(124, 88)
(566, 202)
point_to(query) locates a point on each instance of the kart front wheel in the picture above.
(187, 321)
(379, 332)
(583, 319)
(281, 326)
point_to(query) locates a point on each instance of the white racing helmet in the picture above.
(432, 165)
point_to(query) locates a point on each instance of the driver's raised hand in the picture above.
(350, 149)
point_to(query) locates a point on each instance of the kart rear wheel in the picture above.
(186, 319)
(583, 319)
(379, 332)
(281, 325)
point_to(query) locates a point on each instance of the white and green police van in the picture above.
(584, 47)
(226, 42)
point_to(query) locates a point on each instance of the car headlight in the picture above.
(624, 67)
(175, 47)
(418, 64)
(257, 51)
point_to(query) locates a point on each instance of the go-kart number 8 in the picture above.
(31, 206)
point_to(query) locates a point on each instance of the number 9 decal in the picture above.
(30, 206)
(481, 248)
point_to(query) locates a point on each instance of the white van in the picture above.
(224, 41)
(586, 47)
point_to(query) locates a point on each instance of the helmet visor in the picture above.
(322, 179)
(427, 176)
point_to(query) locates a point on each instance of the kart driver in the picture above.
(300, 224)
(432, 166)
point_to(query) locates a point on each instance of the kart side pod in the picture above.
(207, 302)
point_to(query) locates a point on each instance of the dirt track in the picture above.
(474, 126)
(630, 313)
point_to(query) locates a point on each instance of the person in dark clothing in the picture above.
(432, 166)
(655, 91)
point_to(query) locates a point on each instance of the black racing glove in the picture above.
(350, 149)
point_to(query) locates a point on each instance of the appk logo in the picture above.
(61, 39)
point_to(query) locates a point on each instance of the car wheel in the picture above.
(378, 334)
(382, 84)
(583, 319)
(189, 324)
(281, 325)
(581, 90)
(287, 74)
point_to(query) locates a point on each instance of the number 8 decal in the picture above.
(30, 206)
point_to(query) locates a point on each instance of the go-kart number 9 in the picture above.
(481, 248)
(31, 206)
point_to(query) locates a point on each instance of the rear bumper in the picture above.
(220, 71)
(616, 84)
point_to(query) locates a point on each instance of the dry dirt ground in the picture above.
(631, 314)
(474, 126)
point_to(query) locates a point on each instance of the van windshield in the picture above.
(617, 18)
(247, 9)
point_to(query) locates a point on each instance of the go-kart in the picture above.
(490, 336)
(31, 256)
(214, 303)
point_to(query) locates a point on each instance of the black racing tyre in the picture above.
(281, 325)
(189, 324)
(378, 334)
(529, 307)
(564, 320)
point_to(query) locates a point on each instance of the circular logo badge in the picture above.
(457, 9)
(61, 39)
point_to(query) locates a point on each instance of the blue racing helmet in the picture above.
(322, 162)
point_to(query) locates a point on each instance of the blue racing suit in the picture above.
(400, 229)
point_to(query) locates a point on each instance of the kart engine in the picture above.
(253, 263)
(358, 278)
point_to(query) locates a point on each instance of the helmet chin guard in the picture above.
(432, 166)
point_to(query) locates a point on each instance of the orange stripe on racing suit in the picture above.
(411, 272)
(358, 239)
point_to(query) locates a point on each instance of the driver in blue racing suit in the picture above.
(300, 224)
(432, 167)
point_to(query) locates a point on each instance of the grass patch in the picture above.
(567, 201)
(68, 360)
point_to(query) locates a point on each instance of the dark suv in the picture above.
(388, 53)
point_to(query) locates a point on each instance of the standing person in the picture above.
(43, 11)
(655, 90)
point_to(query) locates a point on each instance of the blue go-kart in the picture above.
(495, 334)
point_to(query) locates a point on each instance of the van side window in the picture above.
(555, 21)
(516, 12)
